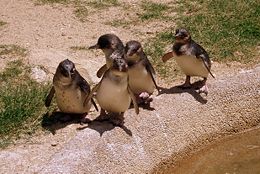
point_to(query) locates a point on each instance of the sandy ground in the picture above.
(178, 122)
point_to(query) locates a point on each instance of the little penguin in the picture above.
(70, 90)
(191, 57)
(110, 44)
(112, 92)
(141, 72)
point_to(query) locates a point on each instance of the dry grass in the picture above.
(12, 50)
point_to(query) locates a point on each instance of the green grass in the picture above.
(2, 23)
(12, 50)
(52, 1)
(81, 6)
(81, 11)
(99, 4)
(77, 48)
(153, 10)
(229, 30)
(155, 49)
(21, 102)
(120, 23)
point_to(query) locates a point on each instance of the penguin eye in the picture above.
(177, 31)
(72, 70)
(134, 50)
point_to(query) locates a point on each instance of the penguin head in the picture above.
(133, 50)
(67, 69)
(108, 43)
(182, 36)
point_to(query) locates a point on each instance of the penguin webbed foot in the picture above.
(103, 116)
(84, 120)
(118, 120)
(204, 89)
(144, 98)
(187, 84)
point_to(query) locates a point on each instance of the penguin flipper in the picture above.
(49, 97)
(94, 103)
(134, 100)
(167, 56)
(89, 97)
(202, 54)
(151, 71)
(205, 62)
(83, 84)
(147, 64)
(101, 71)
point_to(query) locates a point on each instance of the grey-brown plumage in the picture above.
(110, 44)
(141, 72)
(112, 92)
(70, 90)
(191, 57)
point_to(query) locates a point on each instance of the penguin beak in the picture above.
(94, 47)
(129, 53)
(68, 74)
(178, 36)
(71, 73)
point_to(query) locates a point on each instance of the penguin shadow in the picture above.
(192, 91)
(146, 106)
(58, 120)
(101, 125)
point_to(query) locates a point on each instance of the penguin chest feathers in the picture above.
(70, 99)
(192, 66)
(140, 79)
(113, 95)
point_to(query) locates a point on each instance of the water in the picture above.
(238, 154)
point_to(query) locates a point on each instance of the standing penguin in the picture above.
(140, 70)
(110, 44)
(112, 92)
(70, 89)
(191, 57)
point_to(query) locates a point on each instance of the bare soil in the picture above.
(177, 123)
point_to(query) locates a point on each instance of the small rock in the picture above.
(54, 144)
(38, 74)
(242, 71)
(149, 32)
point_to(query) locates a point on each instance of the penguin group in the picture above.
(127, 78)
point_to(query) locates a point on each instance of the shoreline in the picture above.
(177, 164)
